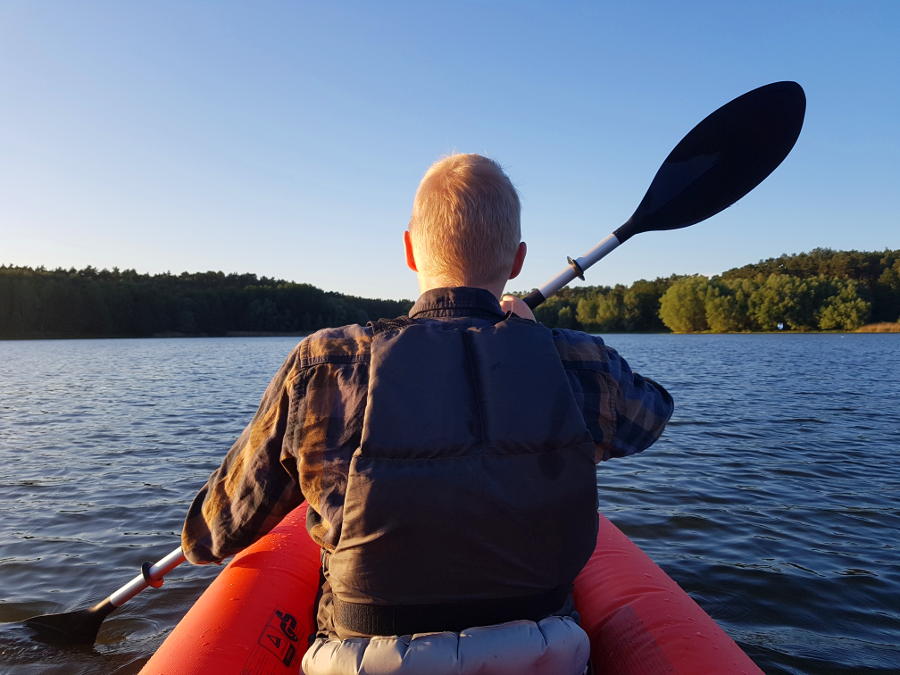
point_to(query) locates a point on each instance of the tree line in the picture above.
(819, 290)
(40, 303)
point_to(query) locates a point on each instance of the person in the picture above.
(448, 457)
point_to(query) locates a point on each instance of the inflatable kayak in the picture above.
(257, 615)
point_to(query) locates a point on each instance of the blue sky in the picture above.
(287, 138)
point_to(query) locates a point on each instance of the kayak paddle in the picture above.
(81, 626)
(720, 160)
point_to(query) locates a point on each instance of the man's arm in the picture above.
(252, 490)
(642, 409)
(624, 411)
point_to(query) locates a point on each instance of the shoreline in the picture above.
(264, 334)
(159, 336)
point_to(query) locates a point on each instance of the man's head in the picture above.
(464, 229)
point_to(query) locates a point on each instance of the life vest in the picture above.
(471, 499)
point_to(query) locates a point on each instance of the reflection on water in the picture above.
(772, 497)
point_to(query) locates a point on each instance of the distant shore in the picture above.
(162, 336)
(884, 327)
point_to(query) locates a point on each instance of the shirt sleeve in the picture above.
(624, 411)
(642, 410)
(254, 488)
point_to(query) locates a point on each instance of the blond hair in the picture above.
(465, 221)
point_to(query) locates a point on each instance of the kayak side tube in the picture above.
(257, 616)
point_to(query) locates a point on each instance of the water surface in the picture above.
(772, 498)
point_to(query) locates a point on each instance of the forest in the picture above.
(38, 303)
(819, 290)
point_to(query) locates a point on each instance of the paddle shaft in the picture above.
(576, 268)
(151, 575)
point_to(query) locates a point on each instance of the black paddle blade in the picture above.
(79, 627)
(724, 157)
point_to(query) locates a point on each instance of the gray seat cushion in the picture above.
(555, 645)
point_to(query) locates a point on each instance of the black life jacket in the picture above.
(472, 497)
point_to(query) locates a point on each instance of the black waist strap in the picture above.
(408, 619)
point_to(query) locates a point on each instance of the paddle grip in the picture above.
(534, 298)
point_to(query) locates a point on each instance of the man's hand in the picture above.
(510, 303)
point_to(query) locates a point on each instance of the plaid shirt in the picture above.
(299, 443)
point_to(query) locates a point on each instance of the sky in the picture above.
(287, 139)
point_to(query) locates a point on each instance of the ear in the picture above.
(518, 260)
(410, 255)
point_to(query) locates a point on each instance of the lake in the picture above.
(773, 497)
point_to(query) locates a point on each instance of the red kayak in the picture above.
(256, 616)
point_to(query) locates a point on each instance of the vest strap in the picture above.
(409, 619)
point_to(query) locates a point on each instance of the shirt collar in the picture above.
(457, 301)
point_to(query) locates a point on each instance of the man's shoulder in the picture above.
(341, 344)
